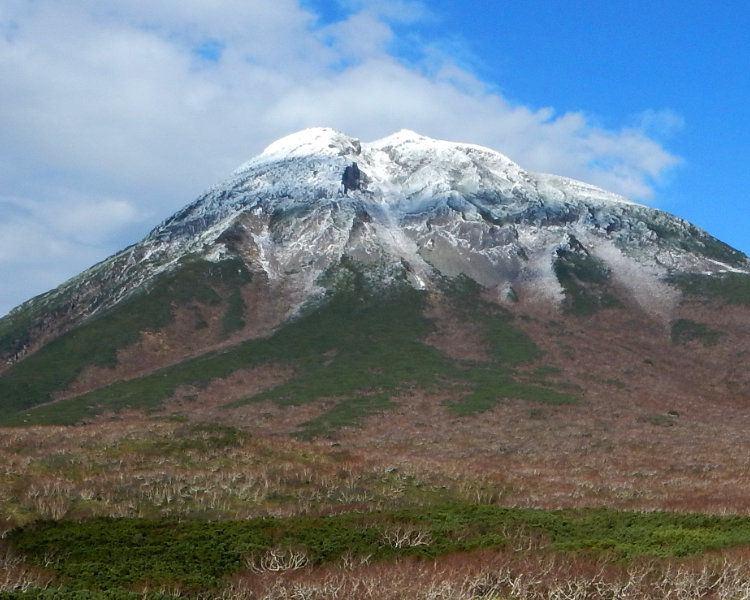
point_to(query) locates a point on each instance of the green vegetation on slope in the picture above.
(360, 346)
(585, 279)
(96, 342)
(731, 288)
(508, 346)
(687, 330)
(14, 332)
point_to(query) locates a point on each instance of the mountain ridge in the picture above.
(319, 214)
(420, 186)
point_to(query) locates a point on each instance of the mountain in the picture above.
(330, 283)
(379, 370)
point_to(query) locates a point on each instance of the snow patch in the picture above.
(316, 141)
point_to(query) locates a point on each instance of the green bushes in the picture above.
(730, 288)
(490, 386)
(346, 413)
(585, 279)
(687, 330)
(119, 555)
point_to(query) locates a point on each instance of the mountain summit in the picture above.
(439, 208)
(320, 224)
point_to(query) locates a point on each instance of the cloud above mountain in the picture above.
(116, 114)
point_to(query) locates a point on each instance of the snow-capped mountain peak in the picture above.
(442, 208)
(407, 163)
(315, 141)
(419, 209)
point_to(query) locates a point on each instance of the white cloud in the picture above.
(663, 123)
(90, 221)
(111, 115)
(360, 36)
(44, 242)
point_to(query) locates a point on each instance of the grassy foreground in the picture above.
(175, 509)
(130, 558)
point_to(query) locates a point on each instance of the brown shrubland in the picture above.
(518, 454)
(501, 574)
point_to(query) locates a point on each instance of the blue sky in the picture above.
(116, 114)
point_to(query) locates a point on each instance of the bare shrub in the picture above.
(18, 576)
(492, 575)
(277, 560)
(406, 536)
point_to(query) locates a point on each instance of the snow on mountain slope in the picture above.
(410, 206)
(440, 207)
